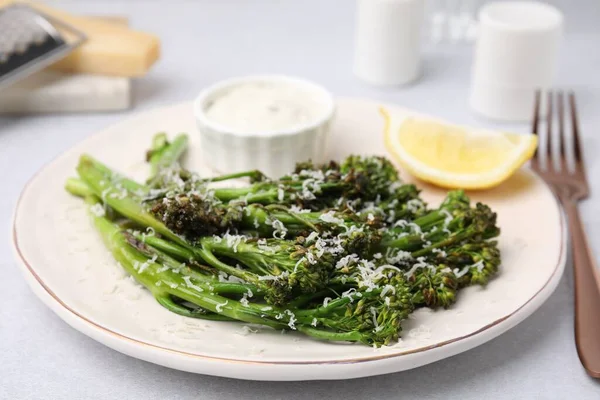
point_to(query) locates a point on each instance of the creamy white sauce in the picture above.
(256, 107)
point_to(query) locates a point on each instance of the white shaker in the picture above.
(516, 53)
(388, 41)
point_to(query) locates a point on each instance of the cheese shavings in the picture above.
(98, 210)
(188, 283)
(219, 307)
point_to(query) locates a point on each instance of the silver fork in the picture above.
(570, 186)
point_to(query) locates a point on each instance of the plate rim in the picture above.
(545, 291)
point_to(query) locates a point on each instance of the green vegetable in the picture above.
(342, 251)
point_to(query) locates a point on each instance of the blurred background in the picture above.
(205, 41)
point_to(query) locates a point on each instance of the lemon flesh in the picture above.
(453, 156)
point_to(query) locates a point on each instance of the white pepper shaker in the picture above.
(516, 53)
(388, 41)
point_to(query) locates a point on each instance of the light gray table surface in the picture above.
(41, 357)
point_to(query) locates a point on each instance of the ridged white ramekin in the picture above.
(275, 153)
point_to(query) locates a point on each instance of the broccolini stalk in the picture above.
(134, 188)
(113, 192)
(181, 253)
(366, 320)
(165, 284)
(159, 143)
(318, 187)
(452, 223)
(375, 316)
(78, 188)
(192, 269)
(164, 154)
(195, 214)
(350, 231)
(277, 289)
(304, 267)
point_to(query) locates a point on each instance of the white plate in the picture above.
(68, 267)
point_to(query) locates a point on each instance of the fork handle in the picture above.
(587, 294)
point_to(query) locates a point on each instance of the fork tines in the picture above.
(563, 138)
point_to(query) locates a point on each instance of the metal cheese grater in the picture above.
(30, 41)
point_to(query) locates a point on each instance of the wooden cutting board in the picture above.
(51, 91)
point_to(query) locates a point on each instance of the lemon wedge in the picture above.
(453, 156)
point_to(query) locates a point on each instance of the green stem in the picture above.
(164, 258)
(77, 187)
(108, 173)
(106, 189)
(304, 299)
(172, 283)
(182, 253)
(330, 335)
(255, 175)
(210, 258)
(167, 302)
(323, 311)
(159, 144)
(452, 239)
(166, 153)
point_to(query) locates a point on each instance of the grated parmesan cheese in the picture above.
(295, 209)
(314, 174)
(321, 246)
(329, 217)
(420, 264)
(246, 330)
(442, 253)
(479, 265)
(312, 236)
(233, 241)
(162, 269)
(279, 229)
(374, 318)
(283, 275)
(401, 256)
(462, 272)
(346, 260)
(448, 218)
(292, 321)
(349, 294)
(386, 289)
(415, 205)
(98, 210)
(300, 261)
(219, 307)
(188, 283)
